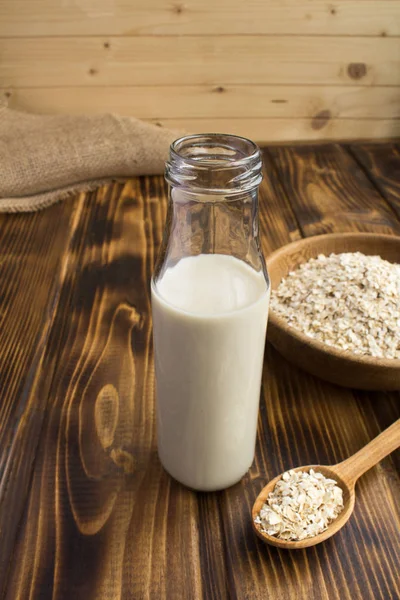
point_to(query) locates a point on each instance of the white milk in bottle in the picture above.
(210, 317)
(210, 296)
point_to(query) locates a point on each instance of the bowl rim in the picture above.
(392, 364)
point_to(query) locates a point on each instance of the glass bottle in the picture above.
(210, 297)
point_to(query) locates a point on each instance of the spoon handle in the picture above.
(386, 442)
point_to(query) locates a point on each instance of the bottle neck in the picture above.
(213, 200)
(215, 225)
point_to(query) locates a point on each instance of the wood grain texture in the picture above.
(32, 267)
(268, 130)
(97, 477)
(275, 130)
(382, 165)
(157, 17)
(102, 520)
(306, 421)
(229, 101)
(330, 191)
(204, 65)
(196, 60)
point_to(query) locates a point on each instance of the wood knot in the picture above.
(384, 33)
(123, 459)
(106, 45)
(321, 119)
(128, 316)
(178, 8)
(357, 70)
(106, 413)
(93, 71)
(219, 89)
(7, 94)
(333, 10)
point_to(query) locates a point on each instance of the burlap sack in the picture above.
(44, 158)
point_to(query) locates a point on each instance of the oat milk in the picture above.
(210, 317)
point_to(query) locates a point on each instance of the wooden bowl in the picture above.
(331, 364)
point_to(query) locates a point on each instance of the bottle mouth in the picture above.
(214, 163)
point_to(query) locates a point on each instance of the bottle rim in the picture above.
(193, 140)
(214, 163)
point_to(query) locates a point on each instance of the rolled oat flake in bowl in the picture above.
(349, 301)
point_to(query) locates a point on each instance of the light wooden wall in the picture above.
(267, 69)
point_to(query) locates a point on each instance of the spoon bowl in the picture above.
(348, 506)
(345, 474)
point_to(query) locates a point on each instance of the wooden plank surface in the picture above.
(230, 101)
(116, 525)
(296, 407)
(196, 60)
(157, 17)
(264, 130)
(170, 60)
(330, 192)
(102, 520)
(382, 165)
(32, 268)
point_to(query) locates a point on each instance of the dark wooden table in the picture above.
(86, 511)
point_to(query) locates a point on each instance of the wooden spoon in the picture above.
(346, 474)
